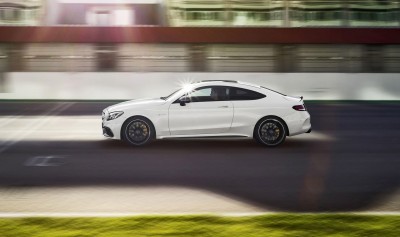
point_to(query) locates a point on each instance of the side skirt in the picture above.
(214, 136)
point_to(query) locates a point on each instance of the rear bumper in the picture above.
(300, 123)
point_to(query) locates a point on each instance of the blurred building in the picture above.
(104, 13)
(271, 13)
(284, 13)
(349, 36)
(22, 12)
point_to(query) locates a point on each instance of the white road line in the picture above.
(120, 214)
(33, 126)
(9, 119)
(139, 200)
(133, 214)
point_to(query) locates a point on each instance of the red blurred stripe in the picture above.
(148, 34)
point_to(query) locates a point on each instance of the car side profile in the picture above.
(209, 109)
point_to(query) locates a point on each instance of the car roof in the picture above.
(233, 82)
(227, 82)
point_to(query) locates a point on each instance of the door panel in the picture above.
(195, 118)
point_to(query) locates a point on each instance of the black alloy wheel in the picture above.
(138, 131)
(270, 132)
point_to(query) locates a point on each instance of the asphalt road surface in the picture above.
(350, 161)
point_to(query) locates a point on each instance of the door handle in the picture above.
(224, 106)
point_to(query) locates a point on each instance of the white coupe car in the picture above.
(209, 109)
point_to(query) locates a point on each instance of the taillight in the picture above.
(299, 108)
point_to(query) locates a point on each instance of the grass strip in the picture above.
(202, 225)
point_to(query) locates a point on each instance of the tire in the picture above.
(138, 131)
(270, 131)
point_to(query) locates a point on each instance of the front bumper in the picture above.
(107, 132)
(111, 128)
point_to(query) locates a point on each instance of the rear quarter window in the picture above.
(244, 94)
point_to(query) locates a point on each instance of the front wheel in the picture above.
(138, 131)
(270, 132)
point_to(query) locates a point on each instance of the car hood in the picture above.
(140, 103)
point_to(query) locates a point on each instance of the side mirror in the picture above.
(183, 100)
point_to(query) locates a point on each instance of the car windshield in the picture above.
(167, 97)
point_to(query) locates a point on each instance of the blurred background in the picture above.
(323, 45)
(278, 13)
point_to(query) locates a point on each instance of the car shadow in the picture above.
(300, 175)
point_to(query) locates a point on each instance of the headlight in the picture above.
(114, 115)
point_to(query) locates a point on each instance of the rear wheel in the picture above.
(138, 131)
(270, 132)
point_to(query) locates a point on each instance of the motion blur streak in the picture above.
(29, 128)
(76, 128)
(318, 167)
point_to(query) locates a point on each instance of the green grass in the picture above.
(176, 226)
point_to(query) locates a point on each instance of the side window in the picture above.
(244, 94)
(209, 93)
(204, 92)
